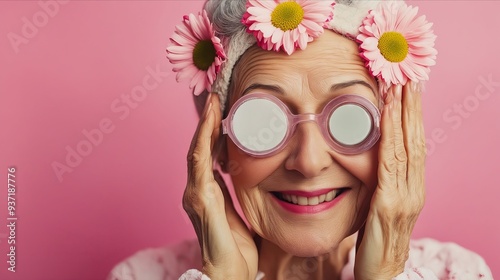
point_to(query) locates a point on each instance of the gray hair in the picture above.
(226, 16)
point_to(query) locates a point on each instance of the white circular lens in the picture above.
(350, 124)
(259, 124)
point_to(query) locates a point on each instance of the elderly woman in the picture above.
(315, 112)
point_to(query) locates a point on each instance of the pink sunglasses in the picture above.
(261, 124)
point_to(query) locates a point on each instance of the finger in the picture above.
(217, 137)
(217, 120)
(399, 145)
(414, 137)
(234, 220)
(212, 110)
(412, 119)
(387, 162)
(195, 140)
(202, 153)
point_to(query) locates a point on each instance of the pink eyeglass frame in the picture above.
(321, 119)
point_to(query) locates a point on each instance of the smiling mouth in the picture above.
(309, 201)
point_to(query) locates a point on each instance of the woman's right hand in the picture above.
(227, 246)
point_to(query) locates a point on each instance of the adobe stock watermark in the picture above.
(308, 267)
(31, 26)
(454, 116)
(121, 108)
(303, 270)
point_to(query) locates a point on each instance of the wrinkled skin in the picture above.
(386, 183)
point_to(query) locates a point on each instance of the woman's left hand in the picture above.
(383, 242)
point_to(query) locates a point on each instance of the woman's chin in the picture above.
(309, 247)
(308, 252)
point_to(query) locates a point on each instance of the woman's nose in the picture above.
(310, 154)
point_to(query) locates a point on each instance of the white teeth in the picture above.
(313, 200)
(329, 196)
(302, 200)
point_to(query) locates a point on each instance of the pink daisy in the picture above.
(196, 52)
(286, 24)
(396, 45)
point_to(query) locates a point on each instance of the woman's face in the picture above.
(305, 82)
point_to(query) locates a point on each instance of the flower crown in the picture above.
(396, 44)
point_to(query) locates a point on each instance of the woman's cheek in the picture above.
(363, 166)
(246, 171)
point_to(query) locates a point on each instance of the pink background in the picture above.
(70, 74)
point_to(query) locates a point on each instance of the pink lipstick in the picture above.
(300, 202)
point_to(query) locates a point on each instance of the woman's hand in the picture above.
(383, 242)
(227, 248)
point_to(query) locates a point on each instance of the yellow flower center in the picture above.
(287, 15)
(393, 46)
(204, 54)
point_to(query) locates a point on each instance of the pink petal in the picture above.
(294, 35)
(181, 66)
(378, 65)
(196, 27)
(407, 18)
(179, 49)
(261, 18)
(211, 75)
(370, 43)
(397, 72)
(187, 72)
(423, 60)
(266, 29)
(302, 41)
(265, 3)
(276, 46)
(301, 28)
(388, 75)
(406, 68)
(257, 11)
(180, 56)
(277, 36)
(184, 31)
(180, 40)
(420, 51)
(312, 27)
(287, 43)
(372, 55)
(198, 82)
